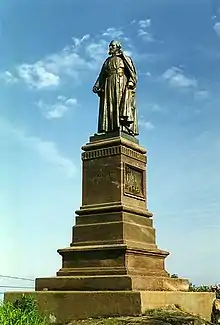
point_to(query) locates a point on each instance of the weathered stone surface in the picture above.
(114, 171)
(113, 265)
(113, 235)
(113, 259)
(68, 305)
(113, 228)
(112, 282)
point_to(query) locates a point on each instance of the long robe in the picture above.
(117, 101)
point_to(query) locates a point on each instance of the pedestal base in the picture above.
(113, 242)
(67, 306)
(113, 252)
(112, 260)
(111, 282)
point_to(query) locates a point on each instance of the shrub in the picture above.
(22, 312)
(174, 276)
(206, 288)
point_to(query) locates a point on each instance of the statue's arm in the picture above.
(133, 75)
(132, 79)
(98, 84)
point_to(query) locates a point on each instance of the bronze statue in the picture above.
(115, 86)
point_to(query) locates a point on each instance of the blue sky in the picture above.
(51, 52)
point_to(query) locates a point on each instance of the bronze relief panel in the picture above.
(133, 181)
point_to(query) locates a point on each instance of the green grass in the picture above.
(21, 312)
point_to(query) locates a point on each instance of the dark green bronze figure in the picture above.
(115, 86)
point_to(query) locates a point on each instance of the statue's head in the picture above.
(114, 48)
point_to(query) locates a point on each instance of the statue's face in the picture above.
(113, 48)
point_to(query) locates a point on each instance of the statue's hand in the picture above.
(131, 85)
(95, 90)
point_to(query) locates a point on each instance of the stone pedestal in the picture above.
(66, 306)
(113, 265)
(113, 244)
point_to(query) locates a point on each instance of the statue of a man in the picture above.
(115, 86)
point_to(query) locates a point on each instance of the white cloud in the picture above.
(74, 61)
(146, 124)
(143, 30)
(146, 36)
(53, 111)
(82, 56)
(128, 53)
(71, 101)
(97, 50)
(48, 71)
(201, 95)
(58, 109)
(113, 33)
(67, 62)
(8, 77)
(217, 28)
(79, 41)
(37, 76)
(47, 150)
(144, 23)
(177, 79)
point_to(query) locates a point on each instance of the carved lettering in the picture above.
(103, 176)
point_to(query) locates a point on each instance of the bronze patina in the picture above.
(116, 86)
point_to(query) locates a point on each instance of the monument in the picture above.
(113, 265)
(113, 245)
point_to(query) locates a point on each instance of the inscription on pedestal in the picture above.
(103, 177)
(133, 181)
(102, 180)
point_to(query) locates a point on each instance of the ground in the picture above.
(171, 315)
